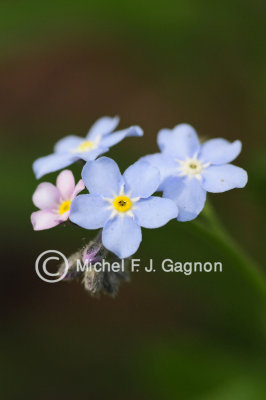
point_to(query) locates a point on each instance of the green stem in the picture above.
(215, 233)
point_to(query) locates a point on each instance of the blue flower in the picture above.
(121, 204)
(189, 169)
(72, 148)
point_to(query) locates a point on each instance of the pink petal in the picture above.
(78, 188)
(44, 219)
(64, 217)
(46, 196)
(66, 184)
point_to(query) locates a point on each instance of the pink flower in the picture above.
(54, 201)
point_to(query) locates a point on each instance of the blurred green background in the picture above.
(165, 336)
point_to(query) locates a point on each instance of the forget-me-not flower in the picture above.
(72, 148)
(121, 204)
(54, 201)
(190, 169)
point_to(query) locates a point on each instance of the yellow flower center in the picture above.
(64, 207)
(122, 203)
(86, 146)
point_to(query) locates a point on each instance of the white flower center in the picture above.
(191, 167)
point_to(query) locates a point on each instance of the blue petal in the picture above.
(51, 163)
(89, 211)
(165, 163)
(102, 126)
(219, 151)
(221, 178)
(155, 212)
(188, 195)
(92, 154)
(68, 143)
(141, 179)
(102, 177)
(116, 137)
(181, 142)
(122, 236)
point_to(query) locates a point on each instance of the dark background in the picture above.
(165, 336)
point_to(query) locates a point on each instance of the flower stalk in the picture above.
(210, 227)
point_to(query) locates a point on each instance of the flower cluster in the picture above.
(184, 171)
